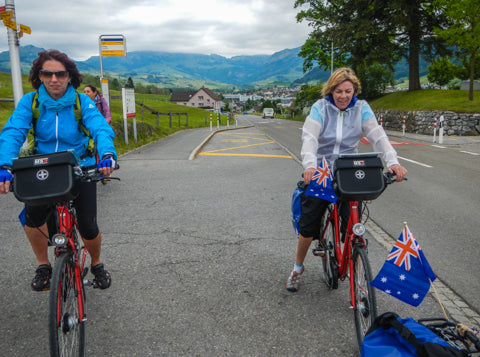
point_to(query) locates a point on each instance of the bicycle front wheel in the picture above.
(329, 259)
(66, 331)
(365, 301)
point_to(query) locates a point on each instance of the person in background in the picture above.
(335, 125)
(99, 101)
(56, 78)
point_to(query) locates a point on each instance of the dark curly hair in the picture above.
(54, 55)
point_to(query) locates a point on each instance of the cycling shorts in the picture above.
(313, 209)
(85, 206)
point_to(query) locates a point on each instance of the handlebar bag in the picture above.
(45, 179)
(390, 335)
(358, 177)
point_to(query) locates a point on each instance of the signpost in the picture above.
(105, 92)
(128, 99)
(110, 46)
(14, 31)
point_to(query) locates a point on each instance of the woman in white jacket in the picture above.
(335, 125)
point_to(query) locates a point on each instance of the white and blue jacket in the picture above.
(329, 131)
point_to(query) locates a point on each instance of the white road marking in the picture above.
(415, 162)
(471, 153)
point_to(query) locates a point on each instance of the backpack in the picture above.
(391, 336)
(297, 205)
(32, 144)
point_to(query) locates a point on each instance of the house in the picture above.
(203, 98)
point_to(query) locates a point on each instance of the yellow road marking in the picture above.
(210, 153)
(244, 137)
(242, 147)
(234, 141)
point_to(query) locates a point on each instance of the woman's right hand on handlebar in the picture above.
(308, 175)
(5, 179)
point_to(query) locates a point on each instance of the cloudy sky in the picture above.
(224, 27)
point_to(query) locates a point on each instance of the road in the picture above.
(199, 251)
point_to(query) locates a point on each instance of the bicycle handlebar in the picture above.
(390, 178)
(467, 332)
(93, 175)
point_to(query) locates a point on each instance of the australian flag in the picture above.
(321, 184)
(406, 274)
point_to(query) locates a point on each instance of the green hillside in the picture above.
(429, 99)
(147, 129)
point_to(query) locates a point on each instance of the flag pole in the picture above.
(438, 299)
(435, 293)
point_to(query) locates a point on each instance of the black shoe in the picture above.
(41, 281)
(102, 279)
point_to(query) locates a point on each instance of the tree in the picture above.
(371, 33)
(307, 95)
(464, 31)
(115, 84)
(129, 83)
(441, 71)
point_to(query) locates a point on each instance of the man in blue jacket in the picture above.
(56, 78)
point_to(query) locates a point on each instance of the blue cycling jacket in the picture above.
(56, 131)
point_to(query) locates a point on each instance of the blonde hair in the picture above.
(339, 76)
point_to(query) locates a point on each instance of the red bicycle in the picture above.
(52, 179)
(357, 178)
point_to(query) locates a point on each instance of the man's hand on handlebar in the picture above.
(5, 179)
(106, 166)
(399, 171)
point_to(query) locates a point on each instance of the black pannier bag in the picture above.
(45, 179)
(358, 177)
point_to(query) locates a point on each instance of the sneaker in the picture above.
(41, 281)
(293, 281)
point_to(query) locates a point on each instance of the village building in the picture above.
(203, 98)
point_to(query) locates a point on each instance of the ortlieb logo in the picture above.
(358, 163)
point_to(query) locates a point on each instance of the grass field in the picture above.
(429, 99)
(196, 117)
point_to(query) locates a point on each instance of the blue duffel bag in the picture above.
(391, 336)
(297, 204)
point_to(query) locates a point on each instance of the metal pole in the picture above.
(13, 45)
(100, 55)
(331, 68)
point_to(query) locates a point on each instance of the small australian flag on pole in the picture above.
(406, 274)
(321, 184)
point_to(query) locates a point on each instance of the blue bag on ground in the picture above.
(297, 204)
(391, 336)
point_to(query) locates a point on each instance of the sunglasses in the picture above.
(49, 74)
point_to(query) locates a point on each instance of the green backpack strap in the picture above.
(32, 144)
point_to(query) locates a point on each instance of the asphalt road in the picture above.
(199, 251)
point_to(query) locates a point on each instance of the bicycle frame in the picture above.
(344, 254)
(67, 224)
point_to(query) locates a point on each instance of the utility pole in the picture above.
(13, 45)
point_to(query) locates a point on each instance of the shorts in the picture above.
(313, 209)
(85, 206)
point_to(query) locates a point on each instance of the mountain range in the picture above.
(188, 70)
(184, 70)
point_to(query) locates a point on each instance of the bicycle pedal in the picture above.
(318, 252)
(87, 282)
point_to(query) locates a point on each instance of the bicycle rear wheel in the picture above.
(66, 331)
(329, 259)
(365, 301)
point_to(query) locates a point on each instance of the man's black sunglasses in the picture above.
(58, 74)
